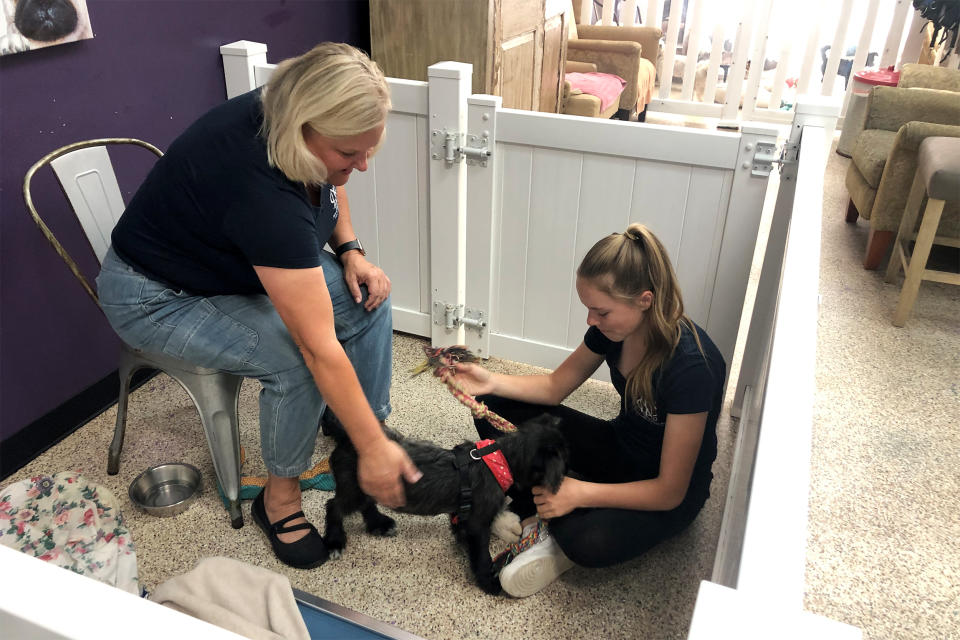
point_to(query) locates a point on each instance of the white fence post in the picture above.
(836, 49)
(482, 188)
(449, 88)
(895, 36)
(762, 541)
(239, 60)
(812, 111)
(743, 212)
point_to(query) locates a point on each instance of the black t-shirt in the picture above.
(689, 382)
(212, 207)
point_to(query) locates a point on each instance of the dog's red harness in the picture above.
(490, 453)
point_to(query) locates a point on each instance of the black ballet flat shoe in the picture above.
(306, 553)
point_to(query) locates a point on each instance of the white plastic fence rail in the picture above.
(758, 579)
(757, 33)
(496, 242)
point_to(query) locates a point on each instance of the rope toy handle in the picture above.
(443, 361)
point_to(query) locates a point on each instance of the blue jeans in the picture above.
(244, 335)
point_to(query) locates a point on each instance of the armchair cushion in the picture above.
(870, 153)
(579, 67)
(577, 103)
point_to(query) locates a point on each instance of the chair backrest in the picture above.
(927, 76)
(86, 174)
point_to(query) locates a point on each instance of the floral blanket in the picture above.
(72, 523)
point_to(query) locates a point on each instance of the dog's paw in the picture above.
(384, 526)
(490, 584)
(506, 526)
(335, 554)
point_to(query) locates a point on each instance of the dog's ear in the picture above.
(554, 471)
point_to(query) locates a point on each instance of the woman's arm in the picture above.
(681, 444)
(357, 269)
(548, 389)
(303, 302)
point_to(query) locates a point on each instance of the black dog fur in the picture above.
(536, 454)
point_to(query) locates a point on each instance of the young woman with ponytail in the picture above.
(644, 476)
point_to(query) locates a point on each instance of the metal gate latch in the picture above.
(447, 146)
(764, 158)
(454, 316)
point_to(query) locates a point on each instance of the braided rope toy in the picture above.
(443, 360)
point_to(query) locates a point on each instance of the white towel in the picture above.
(248, 600)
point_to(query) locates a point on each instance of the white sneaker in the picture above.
(535, 568)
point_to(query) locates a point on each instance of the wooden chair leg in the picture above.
(852, 213)
(907, 224)
(918, 261)
(878, 242)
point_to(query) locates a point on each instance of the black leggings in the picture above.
(594, 537)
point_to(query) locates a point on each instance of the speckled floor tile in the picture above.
(884, 535)
(419, 580)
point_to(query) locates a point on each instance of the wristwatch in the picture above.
(350, 246)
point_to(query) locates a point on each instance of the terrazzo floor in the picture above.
(884, 538)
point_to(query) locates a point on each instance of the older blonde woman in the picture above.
(219, 259)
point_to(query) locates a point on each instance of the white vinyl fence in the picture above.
(714, 49)
(480, 215)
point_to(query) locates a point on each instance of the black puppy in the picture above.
(456, 482)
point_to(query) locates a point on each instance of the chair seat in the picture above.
(938, 164)
(870, 153)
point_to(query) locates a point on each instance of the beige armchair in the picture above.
(884, 159)
(629, 52)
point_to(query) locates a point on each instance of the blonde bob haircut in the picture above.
(335, 89)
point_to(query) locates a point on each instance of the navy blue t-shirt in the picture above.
(689, 382)
(212, 207)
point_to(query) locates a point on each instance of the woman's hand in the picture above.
(554, 505)
(473, 378)
(381, 470)
(357, 270)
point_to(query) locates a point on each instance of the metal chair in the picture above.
(86, 174)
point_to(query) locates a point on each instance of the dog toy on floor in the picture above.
(442, 360)
(319, 477)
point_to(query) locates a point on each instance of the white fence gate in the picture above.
(481, 214)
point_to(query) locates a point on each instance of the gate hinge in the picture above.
(453, 316)
(448, 146)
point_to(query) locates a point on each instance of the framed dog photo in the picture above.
(34, 24)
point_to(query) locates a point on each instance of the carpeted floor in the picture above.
(884, 551)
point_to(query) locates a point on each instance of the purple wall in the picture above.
(151, 68)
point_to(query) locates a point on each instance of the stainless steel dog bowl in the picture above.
(166, 489)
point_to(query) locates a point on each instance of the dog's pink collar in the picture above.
(496, 462)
